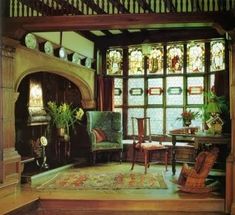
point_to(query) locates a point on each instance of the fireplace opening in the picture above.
(28, 131)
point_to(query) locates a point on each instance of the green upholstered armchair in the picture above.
(105, 132)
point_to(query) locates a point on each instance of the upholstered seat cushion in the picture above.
(150, 145)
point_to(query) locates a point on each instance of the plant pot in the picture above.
(187, 123)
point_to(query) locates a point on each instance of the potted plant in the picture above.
(64, 116)
(212, 111)
(188, 116)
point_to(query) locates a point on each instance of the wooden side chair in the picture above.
(142, 142)
(193, 179)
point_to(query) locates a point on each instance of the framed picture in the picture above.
(214, 120)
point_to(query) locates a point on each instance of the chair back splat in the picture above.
(144, 143)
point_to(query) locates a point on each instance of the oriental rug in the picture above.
(78, 180)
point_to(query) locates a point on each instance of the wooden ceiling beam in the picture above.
(117, 21)
(157, 36)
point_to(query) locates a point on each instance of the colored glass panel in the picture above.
(171, 118)
(136, 91)
(136, 61)
(134, 83)
(118, 91)
(155, 99)
(114, 61)
(212, 82)
(195, 82)
(197, 90)
(174, 82)
(156, 120)
(217, 56)
(133, 112)
(195, 57)
(155, 60)
(175, 58)
(174, 90)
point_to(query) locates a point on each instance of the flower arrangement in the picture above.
(188, 116)
(63, 115)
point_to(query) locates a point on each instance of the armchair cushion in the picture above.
(99, 134)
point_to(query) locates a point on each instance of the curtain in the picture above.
(105, 93)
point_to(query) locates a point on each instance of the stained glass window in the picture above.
(114, 61)
(155, 60)
(171, 118)
(212, 82)
(133, 112)
(195, 57)
(195, 98)
(136, 61)
(173, 83)
(156, 120)
(118, 91)
(155, 99)
(217, 56)
(135, 85)
(175, 58)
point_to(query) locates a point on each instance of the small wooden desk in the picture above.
(197, 139)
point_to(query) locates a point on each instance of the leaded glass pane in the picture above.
(174, 99)
(155, 99)
(155, 60)
(114, 61)
(118, 91)
(156, 120)
(212, 82)
(217, 56)
(133, 112)
(195, 57)
(175, 56)
(197, 122)
(133, 84)
(191, 82)
(136, 61)
(171, 118)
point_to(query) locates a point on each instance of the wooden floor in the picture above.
(125, 201)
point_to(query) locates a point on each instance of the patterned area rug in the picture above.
(78, 181)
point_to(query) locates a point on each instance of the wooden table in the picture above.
(197, 139)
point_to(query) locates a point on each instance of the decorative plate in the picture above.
(48, 48)
(43, 140)
(88, 62)
(76, 58)
(62, 53)
(30, 41)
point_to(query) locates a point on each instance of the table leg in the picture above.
(173, 161)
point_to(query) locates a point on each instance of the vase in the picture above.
(187, 123)
(61, 132)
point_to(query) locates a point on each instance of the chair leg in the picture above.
(94, 157)
(146, 161)
(166, 159)
(133, 159)
(120, 157)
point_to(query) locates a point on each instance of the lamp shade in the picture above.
(212, 107)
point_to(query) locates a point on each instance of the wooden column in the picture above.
(230, 164)
(9, 158)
